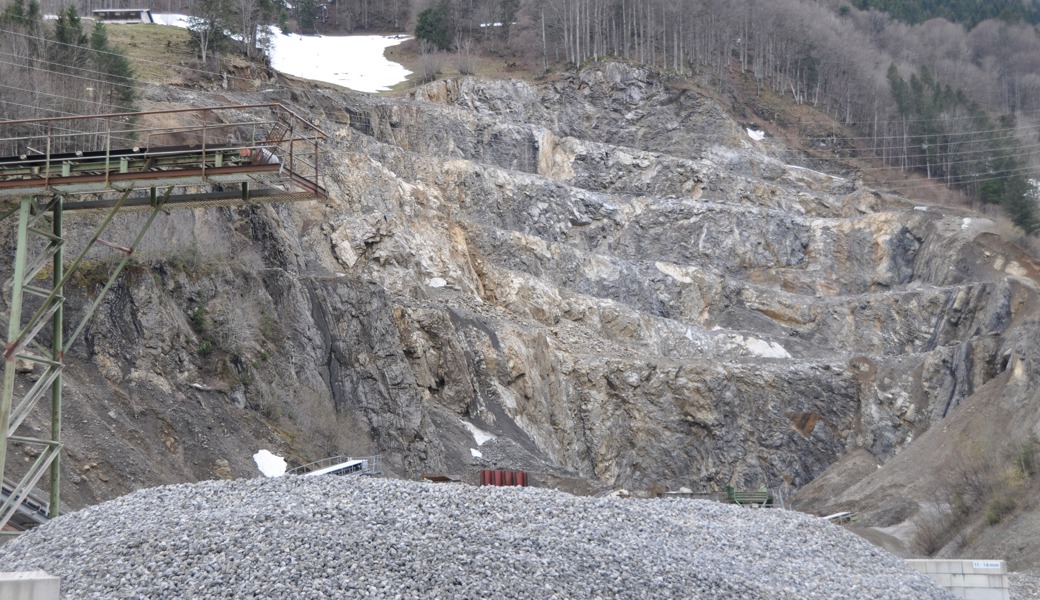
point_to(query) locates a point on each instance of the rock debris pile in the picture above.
(333, 537)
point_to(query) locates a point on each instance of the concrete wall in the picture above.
(968, 579)
(29, 585)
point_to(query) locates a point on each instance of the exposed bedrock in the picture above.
(603, 273)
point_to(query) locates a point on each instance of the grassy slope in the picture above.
(154, 50)
(483, 65)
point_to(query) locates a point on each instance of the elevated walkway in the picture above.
(151, 161)
(265, 153)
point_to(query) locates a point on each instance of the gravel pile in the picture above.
(1024, 586)
(356, 537)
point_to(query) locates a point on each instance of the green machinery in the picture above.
(107, 165)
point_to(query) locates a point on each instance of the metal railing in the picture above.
(373, 464)
(39, 152)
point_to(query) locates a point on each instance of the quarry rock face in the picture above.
(604, 273)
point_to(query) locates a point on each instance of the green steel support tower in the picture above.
(112, 164)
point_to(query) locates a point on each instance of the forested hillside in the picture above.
(955, 104)
(60, 67)
(968, 12)
(306, 15)
(949, 89)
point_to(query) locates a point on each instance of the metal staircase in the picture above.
(32, 510)
(341, 465)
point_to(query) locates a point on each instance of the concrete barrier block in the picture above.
(968, 579)
(29, 585)
(919, 565)
(986, 594)
(973, 580)
(943, 579)
(937, 566)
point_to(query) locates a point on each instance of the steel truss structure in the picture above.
(109, 164)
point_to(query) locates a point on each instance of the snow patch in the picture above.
(965, 223)
(480, 436)
(921, 208)
(172, 19)
(437, 282)
(269, 464)
(756, 135)
(476, 453)
(765, 349)
(353, 61)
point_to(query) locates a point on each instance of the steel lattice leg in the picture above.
(20, 345)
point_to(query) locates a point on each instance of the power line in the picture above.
(1016, 170)
(847, 138)
(1019, 153)
(901, 121)
(58, 112)
(112, 53)
(66, 98)
(33, 62)
(810, 139)
(931, 183)
(63, 74)
(1008, 133)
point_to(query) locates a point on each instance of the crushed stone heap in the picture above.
(336, 537)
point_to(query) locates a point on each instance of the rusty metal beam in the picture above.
(32, 186)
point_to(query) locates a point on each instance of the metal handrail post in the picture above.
(108, 149)
(47, 160)
(292, 136)
(204, 119)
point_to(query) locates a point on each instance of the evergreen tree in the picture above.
(67, 51)
(115, 74)
(433, 25)
(508, 8)
(26, 19)
(986, 164)
(308, 15)
(13, 15)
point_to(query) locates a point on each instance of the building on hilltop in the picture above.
(123, 15)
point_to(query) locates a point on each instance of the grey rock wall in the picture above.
(602, 271)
